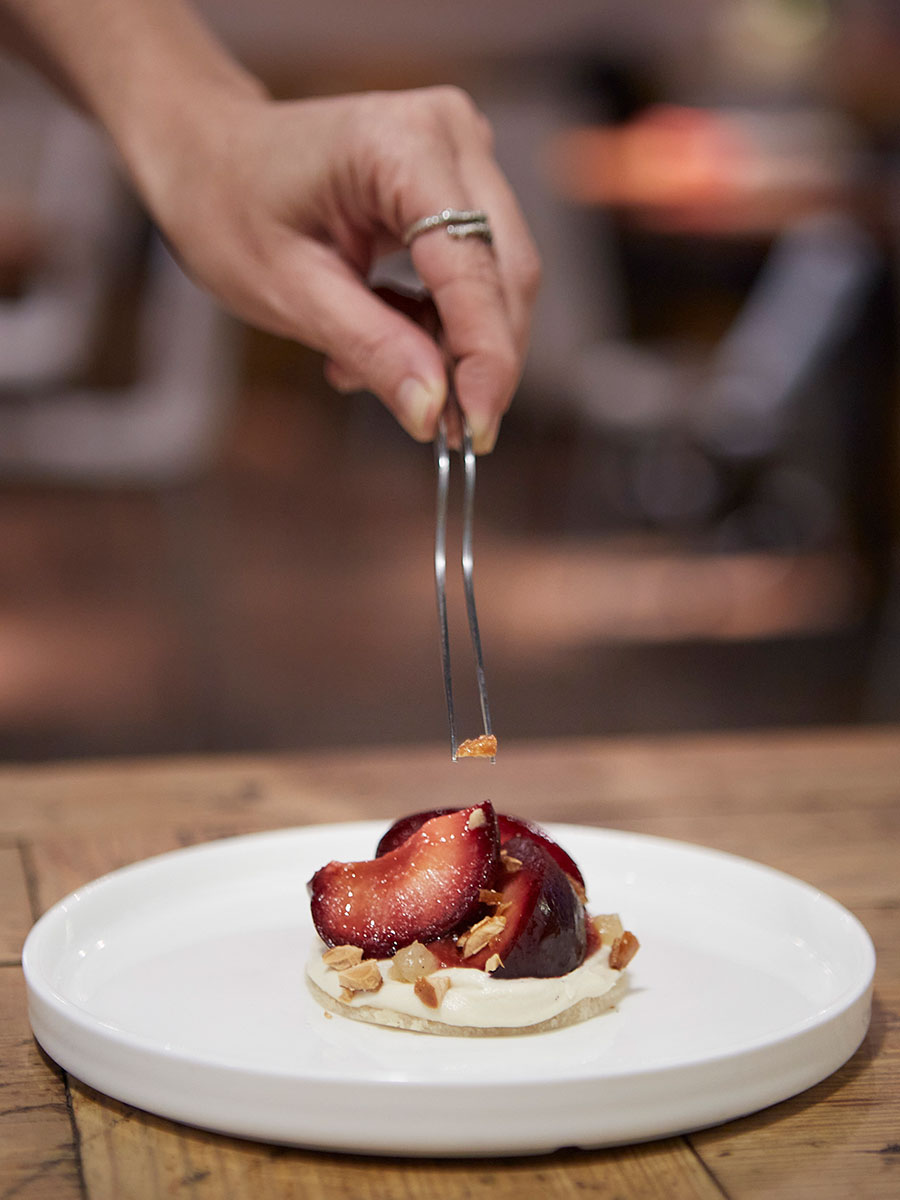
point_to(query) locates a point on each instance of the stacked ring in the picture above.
(457, 223)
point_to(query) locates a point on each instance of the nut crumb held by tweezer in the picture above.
(483, 746)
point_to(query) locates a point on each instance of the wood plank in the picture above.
(15, 907)
(597, 781)
(849, 853)
(132, 1156)
(38, 1156)
(839, 1138)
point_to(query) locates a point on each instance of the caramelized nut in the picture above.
(364, 977)
(493, 963)
(339, 958)
(480, 934)
(487, 896)
(623, 950)
(431, 990)
(483, 746)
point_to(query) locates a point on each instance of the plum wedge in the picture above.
(537, 926)
(421, 890)
(508, 826)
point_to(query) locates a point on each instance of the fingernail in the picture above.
(484, 437)
(419, 404)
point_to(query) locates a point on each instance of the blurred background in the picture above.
(690, 520)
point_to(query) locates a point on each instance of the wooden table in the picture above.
(824, 806)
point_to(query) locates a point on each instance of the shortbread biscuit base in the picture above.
(582, 1010)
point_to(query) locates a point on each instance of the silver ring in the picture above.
(458, 223)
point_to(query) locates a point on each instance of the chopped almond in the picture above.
(486, 896)
(510, 863)
(493, 963)
(477, 819)
(340, 958)
(364, 977)
(432, 989)
(480, 934)
(623, 950)
(483, 746)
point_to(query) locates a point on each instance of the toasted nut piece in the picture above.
(480, 934)
(623, 950)
(483, 746)
(510, 863)
(432, 989)
(364, 977)
(609, 926)
(339, 958)
(412, 962)
(487, 896)
(493, 963)
(477, 819)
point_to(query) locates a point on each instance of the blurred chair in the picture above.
(56, 423)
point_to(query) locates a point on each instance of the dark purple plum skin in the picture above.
(509, 827)
(549, 933)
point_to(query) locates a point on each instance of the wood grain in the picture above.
(15, 907)
(823, 806)
(38, 1156)
(130, 1156)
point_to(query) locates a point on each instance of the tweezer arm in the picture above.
(442, 459)
(468, 456)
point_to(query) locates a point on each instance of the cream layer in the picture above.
(474, 998)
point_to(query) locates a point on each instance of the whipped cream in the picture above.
(474, 998)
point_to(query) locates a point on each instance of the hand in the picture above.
(280, 209)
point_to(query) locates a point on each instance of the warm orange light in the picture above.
(675, 167)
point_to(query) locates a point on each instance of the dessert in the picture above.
(465, 922)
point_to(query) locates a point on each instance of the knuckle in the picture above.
(529, 270)
(454, 106)
(452, 99)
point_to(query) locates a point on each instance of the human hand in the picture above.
(280, 209)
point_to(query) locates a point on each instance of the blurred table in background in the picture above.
(823, 806)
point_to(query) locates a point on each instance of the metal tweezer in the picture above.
(442, 459)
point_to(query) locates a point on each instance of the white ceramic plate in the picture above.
(177, 985)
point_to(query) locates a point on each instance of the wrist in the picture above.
(149, 71)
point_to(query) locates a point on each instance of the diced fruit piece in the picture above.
(509, 827)
(609, 926)
(412, 962)
(543, 925)
(419, 891)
